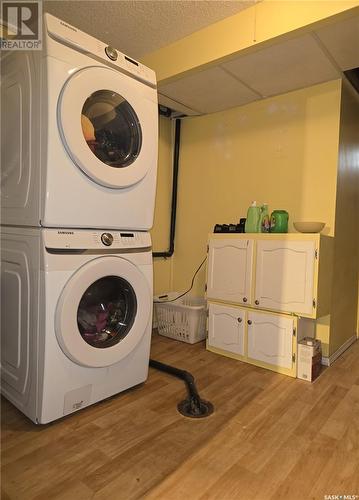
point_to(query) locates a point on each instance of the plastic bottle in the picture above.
(279, 221)
(253, 218)
(265, 222)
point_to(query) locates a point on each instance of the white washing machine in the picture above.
(76, 317)
(79, 141)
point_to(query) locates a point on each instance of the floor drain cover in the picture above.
(196, 409)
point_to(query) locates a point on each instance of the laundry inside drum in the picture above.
(107, 311)
(111, 128)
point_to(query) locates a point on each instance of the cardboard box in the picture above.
(309, 359)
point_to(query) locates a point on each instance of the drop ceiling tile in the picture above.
(283, 67)
(176, 106)
(342, 42)
(209, 91)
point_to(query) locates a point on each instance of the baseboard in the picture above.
(327, 361)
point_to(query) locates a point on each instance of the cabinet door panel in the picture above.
(285, 275)
(226, 328)
(270, 339)
(230, 270)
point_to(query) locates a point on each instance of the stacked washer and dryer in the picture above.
(79, 161)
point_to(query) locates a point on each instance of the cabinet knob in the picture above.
(245, 299)
(239, 320)
(256, 302)
(249, 322)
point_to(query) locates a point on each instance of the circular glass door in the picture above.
(111, 128)
(108, 125)
(106, 311)
(103, 311)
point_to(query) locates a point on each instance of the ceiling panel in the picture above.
(137, 27)
(176, 106)
(287, 66)
(342, 41)
(209, 91)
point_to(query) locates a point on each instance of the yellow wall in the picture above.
(282, 150)
(346, 248)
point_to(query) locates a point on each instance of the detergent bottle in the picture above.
(265, 222)
(279, 221)
(253, 222)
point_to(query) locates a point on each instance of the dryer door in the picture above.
(108, 123)
(103, 312)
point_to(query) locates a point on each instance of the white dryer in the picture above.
(79, 140)
(76, 317)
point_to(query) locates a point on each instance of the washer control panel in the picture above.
(87, 239)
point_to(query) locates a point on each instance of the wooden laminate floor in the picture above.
(271, 437)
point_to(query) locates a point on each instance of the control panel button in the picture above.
(111, 53)
(107, 239)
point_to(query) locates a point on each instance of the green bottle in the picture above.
(265, 223)
(253, 222)
(279, 221)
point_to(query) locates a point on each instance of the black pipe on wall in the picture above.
(169, 252)
(193, 406)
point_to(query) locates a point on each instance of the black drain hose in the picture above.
(194, 406)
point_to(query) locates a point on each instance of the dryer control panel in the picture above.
(87, 239)
(69, 35)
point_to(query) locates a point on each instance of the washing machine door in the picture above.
(103, 312)
(108, 124)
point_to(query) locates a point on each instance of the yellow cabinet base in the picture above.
(278, 369)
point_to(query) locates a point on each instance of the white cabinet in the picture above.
(226, 328)
(230, 264)
(263, 293)
(270, 339)
(264, 339)
(285, 276)
(278, 272)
